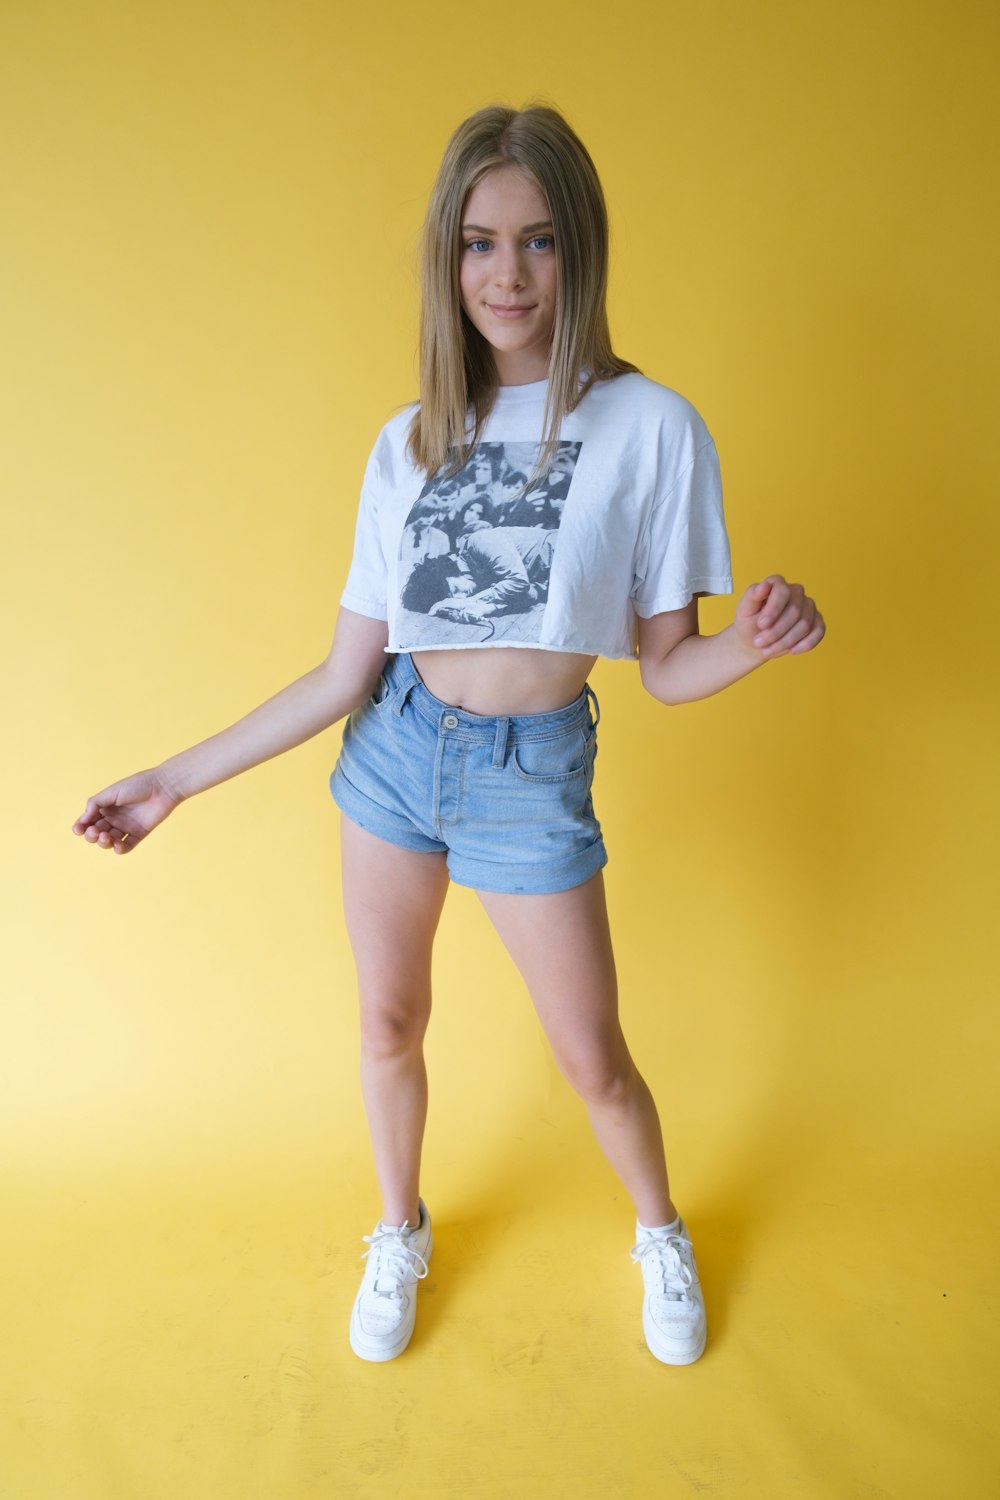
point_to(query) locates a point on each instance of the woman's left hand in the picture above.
(777, 618)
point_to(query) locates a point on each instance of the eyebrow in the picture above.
(528, 228)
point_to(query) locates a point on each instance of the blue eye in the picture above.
(545, 240)
(471, 245)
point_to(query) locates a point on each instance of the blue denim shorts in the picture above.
(506, 797)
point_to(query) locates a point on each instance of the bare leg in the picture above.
(562, 946)
(392, 903)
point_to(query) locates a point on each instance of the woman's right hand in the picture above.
(122, 814)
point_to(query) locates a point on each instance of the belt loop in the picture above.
(597, 706)
(500, 743)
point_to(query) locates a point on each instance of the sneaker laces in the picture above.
(396, 1261)
(662, 1265)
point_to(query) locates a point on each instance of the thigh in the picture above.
(392, 903)
(561, 944)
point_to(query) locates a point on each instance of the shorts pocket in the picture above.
(382, 692)
(564, 758)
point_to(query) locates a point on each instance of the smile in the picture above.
(509, 312)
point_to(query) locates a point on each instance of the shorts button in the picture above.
(449, 721)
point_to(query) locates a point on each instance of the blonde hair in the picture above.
(457, 369)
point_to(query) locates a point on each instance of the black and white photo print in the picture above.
(476, 551)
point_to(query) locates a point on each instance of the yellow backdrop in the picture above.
(209, 308)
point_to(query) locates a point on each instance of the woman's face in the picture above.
(508, 272)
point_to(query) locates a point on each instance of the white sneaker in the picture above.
(386, 1305)
(673, 1309)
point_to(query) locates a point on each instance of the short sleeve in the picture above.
(366, 588)
(685, 548)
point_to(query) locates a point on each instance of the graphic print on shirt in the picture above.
(476, 551)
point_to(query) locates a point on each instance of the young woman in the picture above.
(543, 505)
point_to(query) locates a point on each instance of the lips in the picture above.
(514, 310)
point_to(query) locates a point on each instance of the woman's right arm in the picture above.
(122, 814)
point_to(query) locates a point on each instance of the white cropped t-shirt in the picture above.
(627, 522)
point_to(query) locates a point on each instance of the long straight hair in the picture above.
(457, 369)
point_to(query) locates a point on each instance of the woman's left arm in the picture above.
(773, 618)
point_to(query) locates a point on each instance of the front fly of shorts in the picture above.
(507, 797)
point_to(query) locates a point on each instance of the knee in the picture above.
(603, 1078)
(392, 1028)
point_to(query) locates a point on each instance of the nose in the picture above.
(508, 268)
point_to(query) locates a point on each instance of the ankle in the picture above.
(660, 1219)
(410, 1219)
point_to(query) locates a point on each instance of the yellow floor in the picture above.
(184, 1332)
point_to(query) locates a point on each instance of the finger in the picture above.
(757, 594)
(768, 633)
(812, 639)
(753, 600)
(790, 638)
(93, 833)
(777, 599)
(96, 805)
(87, 817)
(794, 612)
(104, 836)
(96, 814)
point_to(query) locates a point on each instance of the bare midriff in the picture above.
(504, 680)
